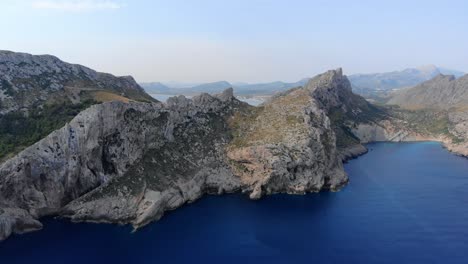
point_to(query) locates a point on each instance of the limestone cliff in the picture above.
(129, 162)
(287, 145)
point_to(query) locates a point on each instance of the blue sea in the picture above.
(405, 203)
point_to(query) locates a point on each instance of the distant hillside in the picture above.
(243, 89)
(179, 88)
(156, 87)
(369, 84)
(214, 87)
(268, 88)
(443, 91)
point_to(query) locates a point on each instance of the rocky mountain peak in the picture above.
(332, 88)
(442, 77)
(327, 79)
(429, 70)
(226, 95)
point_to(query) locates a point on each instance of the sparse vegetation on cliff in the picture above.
(271, 123)
(19, 130)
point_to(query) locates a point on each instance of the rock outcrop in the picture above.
(287, 145)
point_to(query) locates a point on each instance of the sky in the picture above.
(239, 40)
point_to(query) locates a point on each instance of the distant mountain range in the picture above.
(368, 85)
(443, 91)
(244, 89)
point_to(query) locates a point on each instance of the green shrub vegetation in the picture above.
(19, 130)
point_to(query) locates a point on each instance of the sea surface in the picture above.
(405, 203)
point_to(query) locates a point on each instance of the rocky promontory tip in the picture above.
(226, 95)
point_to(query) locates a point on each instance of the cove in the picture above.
(405, 203)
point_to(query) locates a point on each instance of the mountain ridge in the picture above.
(367, 84)
(373, 83)
(442, 91)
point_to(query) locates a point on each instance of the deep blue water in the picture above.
(406, 203)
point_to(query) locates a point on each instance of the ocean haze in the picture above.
(366, 84)
(387, 81)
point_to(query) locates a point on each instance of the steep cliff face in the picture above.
(99, 144)
(183, 162)
(356, 121)
(141, 153)
(346, 110)
(286, 145)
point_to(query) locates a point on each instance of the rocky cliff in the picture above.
(287, 145)
(130, 162)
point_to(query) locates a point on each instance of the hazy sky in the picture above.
(239, 40)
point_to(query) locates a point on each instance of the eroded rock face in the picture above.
(99, 144)
(287, 145)
(138, 159)
(188, 161)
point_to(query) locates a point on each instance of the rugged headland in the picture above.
(129, 161)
